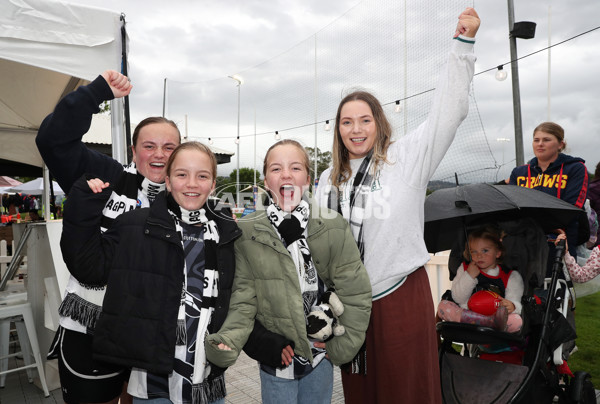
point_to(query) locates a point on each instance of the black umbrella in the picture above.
(449, 211)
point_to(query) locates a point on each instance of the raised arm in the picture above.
(59, 139)
(591, 269)
(423, 149)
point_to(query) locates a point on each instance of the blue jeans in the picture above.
(316, 387)
(164, 401)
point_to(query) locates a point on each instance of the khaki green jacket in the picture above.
(266, 287)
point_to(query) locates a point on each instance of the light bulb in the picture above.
(327, 126)
(501, 74)
(237, 140)
(210, 141)
(398, 107)
(277, 137)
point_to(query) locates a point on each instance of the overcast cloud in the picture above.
(202, 42)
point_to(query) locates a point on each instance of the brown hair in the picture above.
(149, 121)
(490, 233)
(196, 146)
(341, 170)
(293, 143)
(553, 129)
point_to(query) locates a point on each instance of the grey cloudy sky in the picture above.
(196, 41)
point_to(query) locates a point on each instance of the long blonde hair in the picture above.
(341, 170)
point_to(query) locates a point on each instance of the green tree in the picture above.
(105, 107)
(246, 175)
(226, 186)
(323, 161)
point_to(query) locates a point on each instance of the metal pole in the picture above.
(549, 60)
(119, 145)
(254, 188)
(254, 166)
(315, 154)
(515, 87)
(237, 173)
(239, 81)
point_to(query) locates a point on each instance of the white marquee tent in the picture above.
(47, 49)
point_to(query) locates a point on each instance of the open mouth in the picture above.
(287, 191)
(191, 194)
(157, 165)
(358, 139)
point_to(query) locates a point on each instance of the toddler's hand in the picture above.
(473, 270)
(510, 306)
(561, 236)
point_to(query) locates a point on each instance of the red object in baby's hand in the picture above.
(484, 302)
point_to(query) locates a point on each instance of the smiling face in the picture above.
(154, 145)
(190, 179)
(546, 146)
(357, 128)
(286, 175)
(484, 253)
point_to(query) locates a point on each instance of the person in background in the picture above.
(379, 186)
(555, 173)
(587, 272)
(594, 197)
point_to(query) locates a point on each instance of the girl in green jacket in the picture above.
(288, 255)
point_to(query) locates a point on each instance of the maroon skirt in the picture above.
(402, 359)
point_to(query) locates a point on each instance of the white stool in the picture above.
(20, 313)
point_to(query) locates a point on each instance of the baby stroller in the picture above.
(539, 376)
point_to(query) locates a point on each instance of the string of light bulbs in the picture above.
(501, 75)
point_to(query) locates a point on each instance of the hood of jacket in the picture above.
(556, 164)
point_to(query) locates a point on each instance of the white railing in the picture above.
(439, 276)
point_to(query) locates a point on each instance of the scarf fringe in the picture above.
(181, 333)
(209, 390)
(80, 310)
(90, 286)
(358, 365)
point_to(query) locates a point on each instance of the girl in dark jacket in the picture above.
(168, 285)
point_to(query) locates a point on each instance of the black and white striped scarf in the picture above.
(359, 193)
(291, 228)
(203, 390)
(355, 214)
(132, 191)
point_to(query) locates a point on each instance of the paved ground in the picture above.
(243, 386)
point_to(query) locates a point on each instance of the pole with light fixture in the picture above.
(524, 30)
(239, 81)
(502, 140)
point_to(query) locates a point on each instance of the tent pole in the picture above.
(124, 62)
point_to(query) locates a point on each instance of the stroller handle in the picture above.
(560, 251)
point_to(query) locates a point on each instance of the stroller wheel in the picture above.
(582, 389)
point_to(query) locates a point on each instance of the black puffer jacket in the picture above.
(141, 259)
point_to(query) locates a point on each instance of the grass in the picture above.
(587, 320)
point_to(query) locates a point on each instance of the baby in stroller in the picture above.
(528, 371)
(483, 291)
